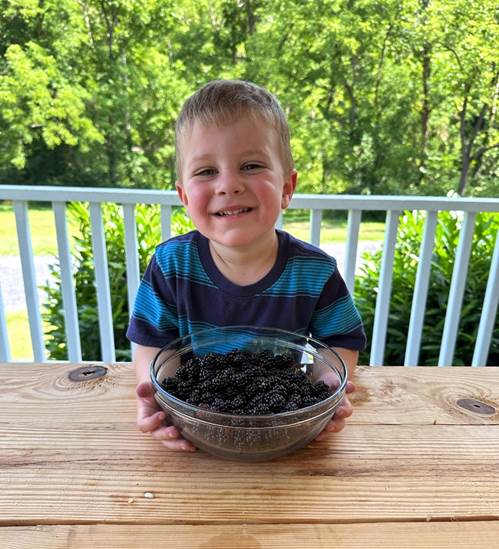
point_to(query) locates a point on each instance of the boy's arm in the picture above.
(350, 358)
(142, 358)
(345, 409)
(150, 418)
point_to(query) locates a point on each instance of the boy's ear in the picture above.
(181, 193)
(288, 189)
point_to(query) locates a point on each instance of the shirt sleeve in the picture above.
(154, 321)
(336, 320)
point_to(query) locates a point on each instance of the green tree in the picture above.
(398, 96)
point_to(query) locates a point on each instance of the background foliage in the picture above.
(391, 96)
(148, 232)
(405, 265)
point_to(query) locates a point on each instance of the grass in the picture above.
(19, 335)
(336, 231)
(42, 228)
(42, 231)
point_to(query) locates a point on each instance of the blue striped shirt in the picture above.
(183, 291)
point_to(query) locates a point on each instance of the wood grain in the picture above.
(363, 473)
(424, 395)
(388, 395)
(429, 535)
(70, 454)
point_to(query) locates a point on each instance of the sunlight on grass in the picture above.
(42, 227)
(19, 336)
(336, 231)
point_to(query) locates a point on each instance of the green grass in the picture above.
(336, 231)
(42, 228)
(19, 336)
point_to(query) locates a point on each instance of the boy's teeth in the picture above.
(233, 212)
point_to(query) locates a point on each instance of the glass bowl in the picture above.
(250, 437)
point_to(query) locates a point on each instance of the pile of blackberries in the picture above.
(246, 383)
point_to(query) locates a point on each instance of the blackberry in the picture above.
(170, 384)
(247, 383)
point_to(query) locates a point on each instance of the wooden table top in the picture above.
(413, 468)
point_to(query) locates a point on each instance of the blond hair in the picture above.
(222, 101)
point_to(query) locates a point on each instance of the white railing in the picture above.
(317, 204)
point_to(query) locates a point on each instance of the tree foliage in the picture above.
(398, 96)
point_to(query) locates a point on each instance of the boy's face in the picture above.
(233, 182)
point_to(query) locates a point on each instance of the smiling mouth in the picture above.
(227, 213)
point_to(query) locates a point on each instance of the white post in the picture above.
(29, 278)
(68, 290)
(489, 311)
(131, 254)
(351, 247)
(166, 222)
(4, 337)
(420, 292)
(315, 227)
(456, 292)
(102, 284)
(385, 288)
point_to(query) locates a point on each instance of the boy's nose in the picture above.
(230, 183)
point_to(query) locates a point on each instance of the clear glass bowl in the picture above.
(244, 437)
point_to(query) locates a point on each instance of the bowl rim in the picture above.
(280, 415)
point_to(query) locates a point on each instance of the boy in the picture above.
(235, 175)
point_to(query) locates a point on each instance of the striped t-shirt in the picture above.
(183, 291)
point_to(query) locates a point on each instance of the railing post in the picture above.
(132, 257)
(166, 222)
(351, 247)
(456, 292)
(29, 278)
(385, 288)
(68, 290)
(102, 283)
(4, 337)
(489, 311)
(315, 227)
(420, 292)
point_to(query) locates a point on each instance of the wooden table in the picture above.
(413, 468)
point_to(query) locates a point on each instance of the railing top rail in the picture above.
(88, 194)
(389, 202)
(300, 200)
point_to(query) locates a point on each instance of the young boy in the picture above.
(235, 175)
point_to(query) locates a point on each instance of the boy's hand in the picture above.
(151, 419)
(343, 411)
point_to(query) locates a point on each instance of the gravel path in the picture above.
(11, 281)
(338, 252)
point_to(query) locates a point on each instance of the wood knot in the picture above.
(87, 372)
(476, 406)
